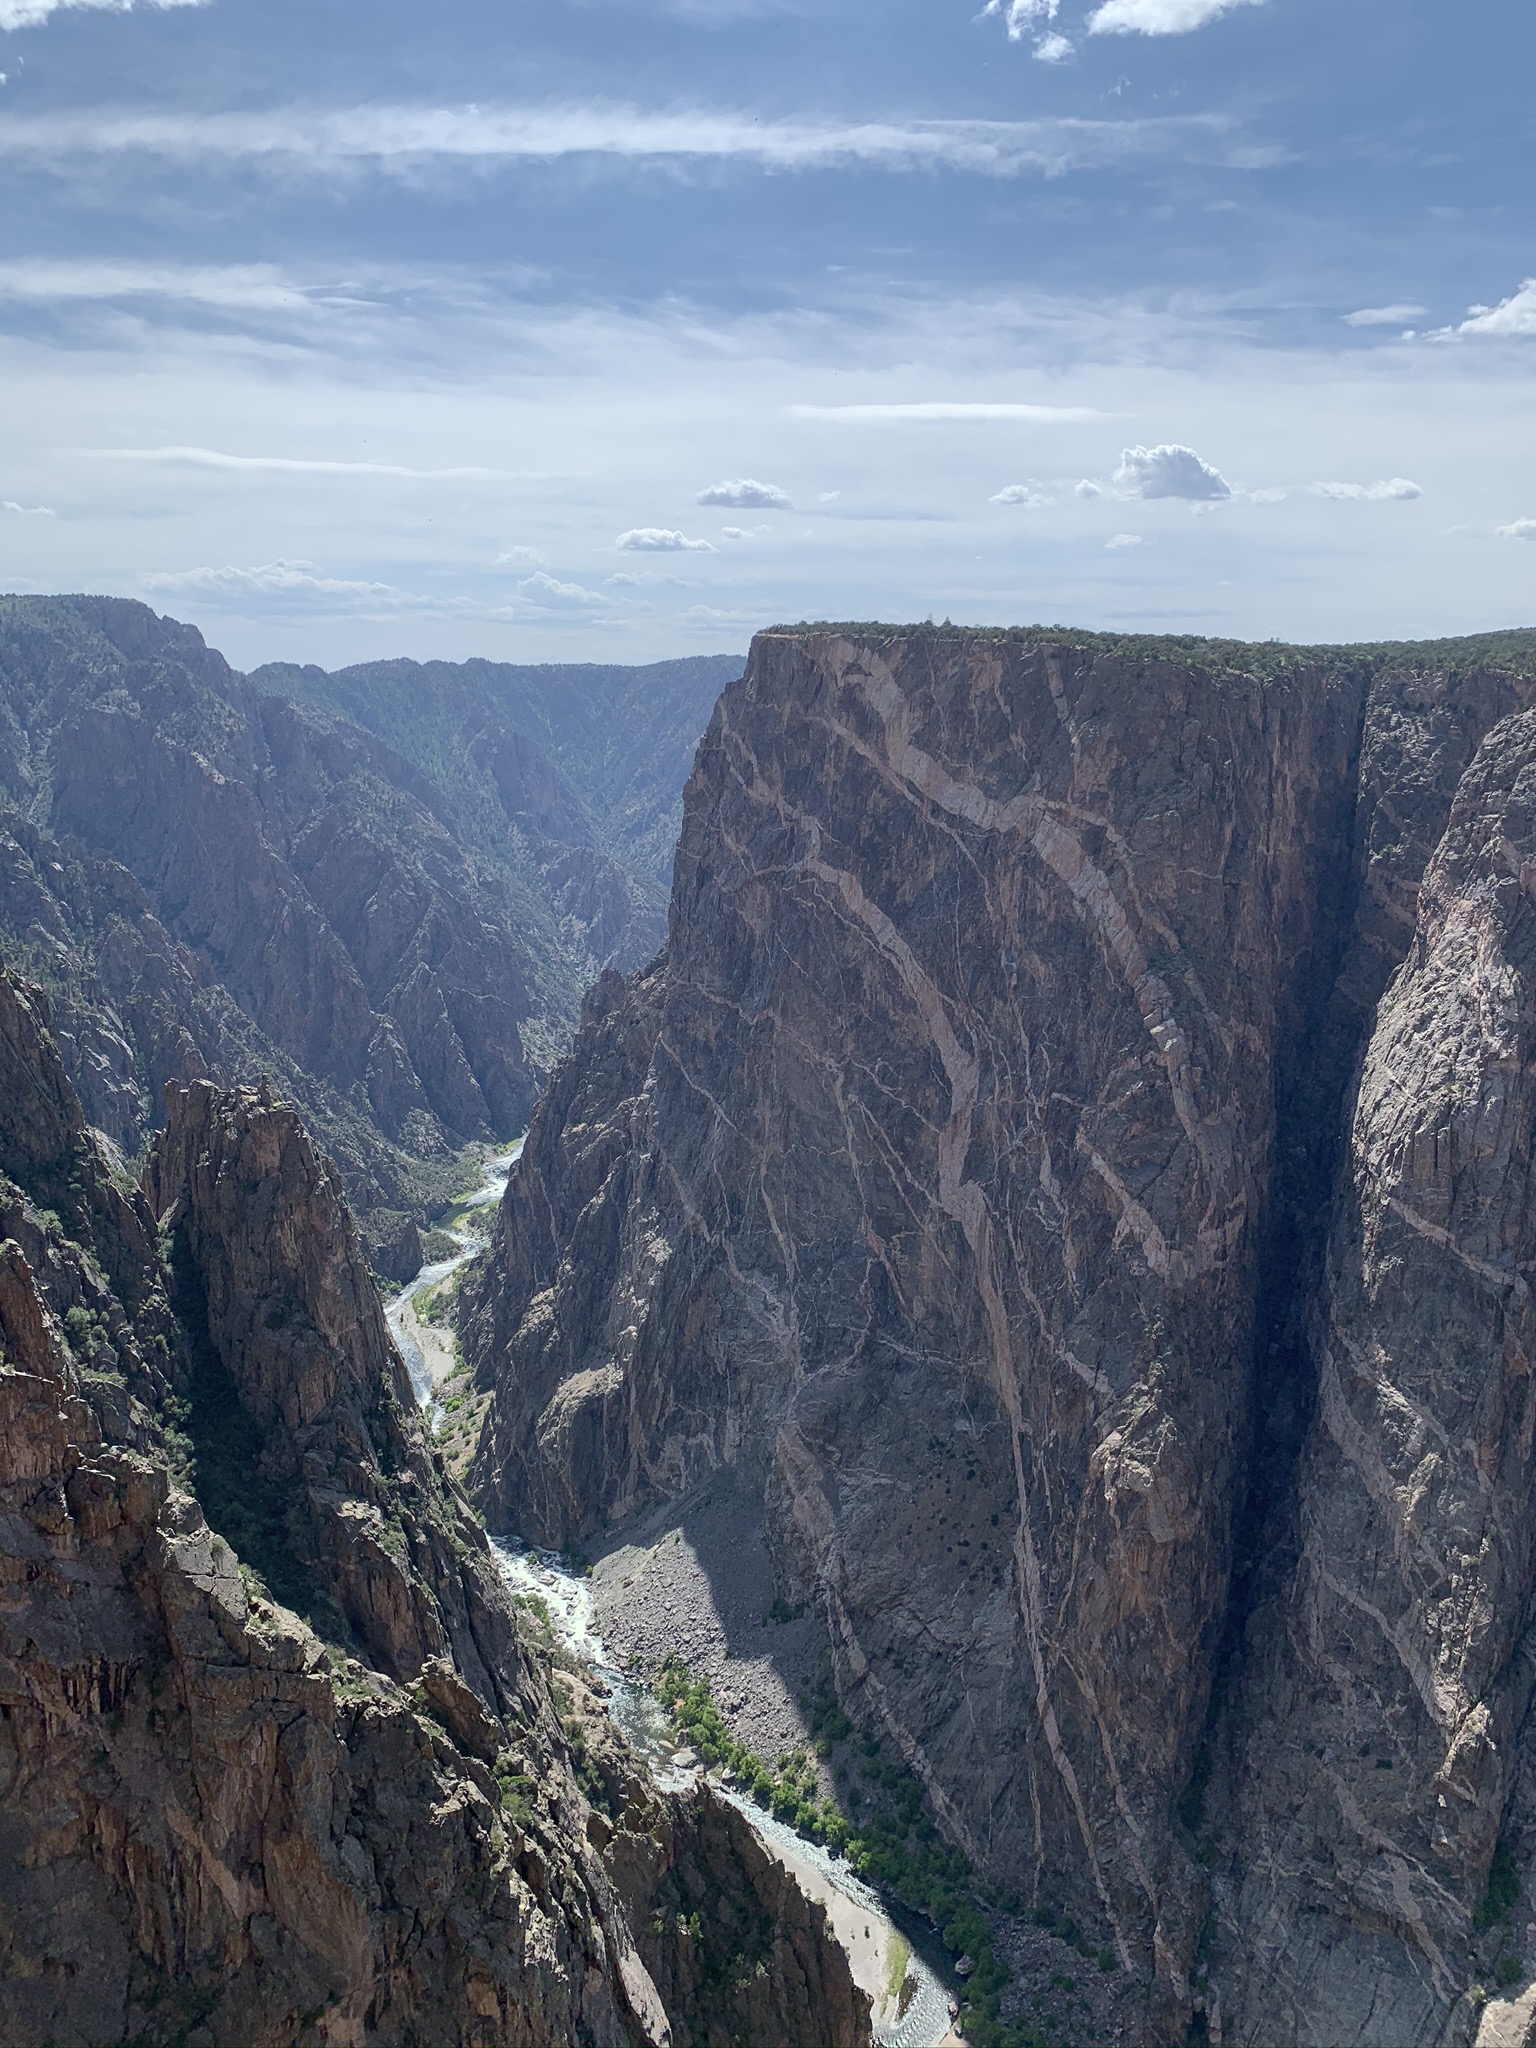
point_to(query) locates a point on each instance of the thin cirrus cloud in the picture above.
(284, 465)
(1170, 470)
(28, 511)
(1159, 17)
(660, 540)
(946, 409)
(1385, 490)
(403, 138)
(1386, 316)
(745, 493)
(30, 13)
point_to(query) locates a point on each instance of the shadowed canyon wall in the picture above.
(1073, 1157)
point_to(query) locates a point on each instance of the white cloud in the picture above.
(1020, 494)
(1021, 17)
(29, 511)
(1087, 489)
(520, 558)
(743, 532)
(647, 581)
(1517, 529)
(1054, 49)
(1385, 316)
(828, 497)
(1170, 471)
(1159, 17)
(28, 13)
(288, 465)
(946, 409)
(1123, 540)
(401, 139)
(659, 540)
(1272, 495)
(549, 590)
(1384, 490)
(269, 579)
(745, 492)
(1514, 315)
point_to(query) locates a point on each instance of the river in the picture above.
(911, 2003)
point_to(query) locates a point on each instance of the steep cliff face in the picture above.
(962, 1175)
(319, 1790)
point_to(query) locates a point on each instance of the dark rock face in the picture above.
(976, 1171)
(317, 1791)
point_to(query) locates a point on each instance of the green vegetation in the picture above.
(1503, 1891)
(893, 1844)
(1514, 650)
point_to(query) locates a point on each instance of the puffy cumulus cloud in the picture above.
(1159, 17)
(1020, 494)
(747, 494)
(1386, 316)
(551, 592)
(1514, 315)
(1123, 540)
(28, 13)
(1385, 490)
(28, 511)
(1170, 471)
(660, 540)
(519, 558)
(1087, 489)
(1054, 49)
(1517, 529)
(742, 532)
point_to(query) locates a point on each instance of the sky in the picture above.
(615, 329)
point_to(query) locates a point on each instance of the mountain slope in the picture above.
(213, 880)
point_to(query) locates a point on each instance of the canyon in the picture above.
(1017, 1278)
(212, 878)
(1066, 1180)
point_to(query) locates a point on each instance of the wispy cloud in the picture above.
(1123, 540)
(1159, 17)
(1385, 490)
(269, 579)
(1386, 316)
(399, 138)
(946, 409)
(543, 589)
(1514, 315)
(29, 13)
(660, 540)
(746, 493)
(285, 465)
(28, 511)
(1170, 471)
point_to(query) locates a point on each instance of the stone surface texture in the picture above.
(1072, 1158)
(316, 1789)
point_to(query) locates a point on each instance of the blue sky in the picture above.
(611, 329)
